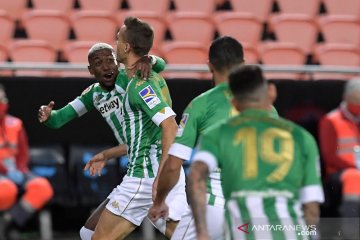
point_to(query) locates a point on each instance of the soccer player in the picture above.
(106, 97)
(269, 166)
(204, 111)
(149, 128)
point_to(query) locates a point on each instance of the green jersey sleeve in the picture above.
(147, 96)
(311, 185)
(208, 148)
(59, 118)
(159, 64)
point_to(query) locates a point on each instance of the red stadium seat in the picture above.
(61, 5)
(14, 8)
(251, 55)
(3, 58)
(340, 29)
(343, 7)
(32, 51)
(333, 54)
(185, 53)
(207, 6)
(103, 5)
(260, 8)
(306, 7)
(98, 26)
(245, 27)
(159, 6)
(157, 22)
(7, 27)
(52, 26)
(279, 53)
(188, 26)
(296, 28)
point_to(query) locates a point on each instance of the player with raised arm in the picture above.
(106, 97)
(149, 128)
(269, 166)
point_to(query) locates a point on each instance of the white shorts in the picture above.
(215, 222)
(133, 198)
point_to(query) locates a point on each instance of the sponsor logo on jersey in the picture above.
(182, 124)
(109, 106)
(149, 96)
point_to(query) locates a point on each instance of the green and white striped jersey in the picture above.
(146, 104)
(269, 167)
(204, 111)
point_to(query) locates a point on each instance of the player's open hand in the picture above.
(96, 164)
(158, 211)
(143, 66)
(45, 112)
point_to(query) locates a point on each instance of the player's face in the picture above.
(104, 67)
(121, 45)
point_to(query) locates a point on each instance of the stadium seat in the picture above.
(100, 26)
(61, 5)
(3, 53)
(52, 26)
(251, 54)
(159, 6)
(103, 5)
(279, 53)
(92, 190)
(185, 53)
(343, 7)
(157, 22)
(188, 26)
(260, 8)
(296, 28)
(333, 54)
(306, 7)
(245, 27)
(14, 8)
(206, 7)
(340, 29)
(7, 27)
(49, 162)
(32, 51)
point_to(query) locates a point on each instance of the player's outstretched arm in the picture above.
(97, 162)
(199, 171)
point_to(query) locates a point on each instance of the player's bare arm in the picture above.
(97, 162)
(311, 213)
(199, 171)
(45, 112)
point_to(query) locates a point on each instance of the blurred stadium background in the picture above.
(309, 48)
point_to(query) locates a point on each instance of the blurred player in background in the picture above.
(269, 166)
(15, 177)
(104, 96)
(204, 111)
(149, 129)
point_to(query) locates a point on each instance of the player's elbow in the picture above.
(170, 125)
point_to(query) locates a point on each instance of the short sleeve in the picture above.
(311, 190)
(208, 148)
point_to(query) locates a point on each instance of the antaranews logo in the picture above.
(301, 230)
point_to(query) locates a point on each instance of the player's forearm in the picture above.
(197, 187)
(169, 129)
(115, 152)
(168, 178)
(311, 213)
(59, 118)
(159, 65)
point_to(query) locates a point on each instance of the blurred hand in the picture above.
(96, 164)
(45, 112)
(143, 65)
(158, 211)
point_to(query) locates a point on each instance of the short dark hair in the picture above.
(139, 35)
(97, 47)
(225, 52)
(246, 81)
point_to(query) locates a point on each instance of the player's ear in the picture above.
(272, 92)
(90, 70)
(236, 104)
(211, 66)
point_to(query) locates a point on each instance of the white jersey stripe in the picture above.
(299, 214)
(258, 217)
(153, 158)
(236, 220)
(78, 106)
(281, 207)
(132, 131)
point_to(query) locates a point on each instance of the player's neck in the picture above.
(220, 77)
(129, 65)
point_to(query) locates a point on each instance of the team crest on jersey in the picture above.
(182, 124)
(149, 96)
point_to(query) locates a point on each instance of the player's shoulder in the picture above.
(90, 89)
(295, 128)
(210, 94)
